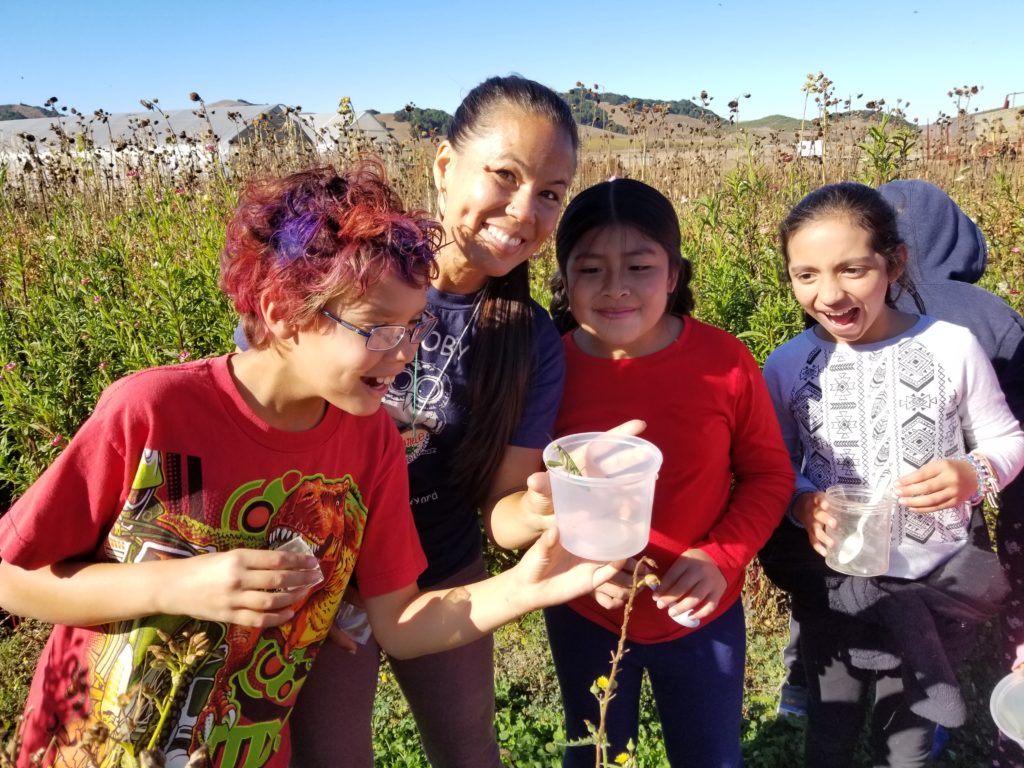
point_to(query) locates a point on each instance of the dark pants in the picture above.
(837, 703)
(1010, 545)
(697, 682)
(451, 695)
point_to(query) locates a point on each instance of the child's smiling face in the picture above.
(335, 360)
(841, 282)
(619, 281)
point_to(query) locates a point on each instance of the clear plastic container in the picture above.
(862, 536)
(1006, 706)
(298, 545)
(604, 513)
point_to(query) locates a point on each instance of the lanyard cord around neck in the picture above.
(417, 409)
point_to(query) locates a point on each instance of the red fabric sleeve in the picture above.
(762, 473)
(66, 513)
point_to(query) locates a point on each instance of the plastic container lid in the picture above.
(1007, 706)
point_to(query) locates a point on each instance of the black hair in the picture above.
(473, 115)
(499, 375)
(622, 203)
(863, 207)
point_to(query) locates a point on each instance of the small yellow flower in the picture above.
(621, 758)
(602, 682)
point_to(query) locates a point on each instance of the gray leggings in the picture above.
(451, 695)
(838, 703)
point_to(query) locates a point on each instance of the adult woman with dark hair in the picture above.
(475, 408)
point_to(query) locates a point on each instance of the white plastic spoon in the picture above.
(854, 543)
(686, 619)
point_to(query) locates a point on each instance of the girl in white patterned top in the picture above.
(870, 395)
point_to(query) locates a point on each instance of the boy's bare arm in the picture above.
(408, 623)
(242, 586)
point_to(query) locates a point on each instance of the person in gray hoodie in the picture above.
(947, 255)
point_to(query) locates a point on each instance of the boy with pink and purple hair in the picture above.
(193, 541)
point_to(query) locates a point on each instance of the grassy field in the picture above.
(108, 266)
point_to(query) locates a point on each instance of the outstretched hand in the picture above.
(251, 587)
(550, 575)
(614, 593)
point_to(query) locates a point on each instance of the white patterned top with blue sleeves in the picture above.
(870, 413)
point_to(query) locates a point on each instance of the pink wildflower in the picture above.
(184, 355)
(133, 174)
(10, 367)
(58, 441)
(85, 281)
(179, 190)
(103, 365)
(96, 299)
(1015, 249)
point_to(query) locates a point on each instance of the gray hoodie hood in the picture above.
(944, 243)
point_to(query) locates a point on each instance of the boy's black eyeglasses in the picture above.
(381, 338)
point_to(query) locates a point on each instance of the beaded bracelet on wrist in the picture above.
(988, 485)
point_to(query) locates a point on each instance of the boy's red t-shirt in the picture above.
(172, 464)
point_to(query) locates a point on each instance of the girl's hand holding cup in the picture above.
(811, 510)
(691, 588)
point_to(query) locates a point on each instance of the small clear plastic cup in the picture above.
(603, 513)
(298, 545)
(862, 534)
(1006, 705)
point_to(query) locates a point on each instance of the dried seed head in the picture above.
(96, 734)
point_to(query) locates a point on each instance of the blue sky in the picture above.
(385, 53)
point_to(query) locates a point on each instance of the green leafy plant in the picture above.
(887, 150)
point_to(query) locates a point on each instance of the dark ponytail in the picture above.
(502, 351)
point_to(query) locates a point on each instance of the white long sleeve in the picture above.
(870, 413)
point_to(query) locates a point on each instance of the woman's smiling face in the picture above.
(503, 189)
